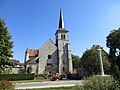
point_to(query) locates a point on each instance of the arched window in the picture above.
(63, 69)
(64, 36)
(61, 36)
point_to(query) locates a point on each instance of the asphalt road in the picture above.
(48, 84)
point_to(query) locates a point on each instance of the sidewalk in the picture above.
(48, 84)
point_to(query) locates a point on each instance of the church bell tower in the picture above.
(63, 48)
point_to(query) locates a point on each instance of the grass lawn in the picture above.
(37, 79)
(56, 88)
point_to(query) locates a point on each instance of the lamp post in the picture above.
(101, 63)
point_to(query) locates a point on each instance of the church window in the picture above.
(49, 72)
(63, 69)
(61, 36)
(49, 56)
(49, 64)
(64, 36)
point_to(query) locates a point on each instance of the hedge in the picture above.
(14, 77)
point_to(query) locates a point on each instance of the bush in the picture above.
(29, 70)
(14, 77)
(21, 71)
(116, 73)
(4, 70)
(73, 77)
(6, 85)
(99, 83)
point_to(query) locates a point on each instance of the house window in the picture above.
(49, 56)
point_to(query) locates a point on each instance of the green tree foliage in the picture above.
(76, 61)
(91, 60)
(29, 70)
(6, 44)
(116, 72)
(113, 42)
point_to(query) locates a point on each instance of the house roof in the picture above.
(15, 62)
(33, 52)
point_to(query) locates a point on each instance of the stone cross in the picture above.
(101, 63)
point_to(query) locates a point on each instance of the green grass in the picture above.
(37, 79)
(56, 88)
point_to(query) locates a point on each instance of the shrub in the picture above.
(14, 77)
(29, 70)
(99, 83)
(116, 73)
(4, 70)
(21, 71)
(6, 85)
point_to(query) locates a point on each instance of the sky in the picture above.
(32, 22)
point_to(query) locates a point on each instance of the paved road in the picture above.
(47, 84)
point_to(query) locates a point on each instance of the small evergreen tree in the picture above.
(6, 44)
(29, 70)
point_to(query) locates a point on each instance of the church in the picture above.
(51, 58)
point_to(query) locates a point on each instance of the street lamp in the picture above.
(101, 63)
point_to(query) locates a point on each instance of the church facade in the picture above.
(52, 58)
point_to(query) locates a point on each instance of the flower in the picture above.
(55, 78)
(6, 85)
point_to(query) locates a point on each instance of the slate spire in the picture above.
(61, 22)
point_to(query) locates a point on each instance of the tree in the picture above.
(116, 72)
(76, 61)
(6, 44)
(113, 42)
(90, 60)
(29, 70)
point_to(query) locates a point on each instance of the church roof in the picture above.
(61, 27)
(47, 44)
(33, 52)
(32, 61)
(61, 21)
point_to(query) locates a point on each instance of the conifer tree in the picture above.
(6, 44)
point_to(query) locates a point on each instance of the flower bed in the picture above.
(6, 85)
(55, 78)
